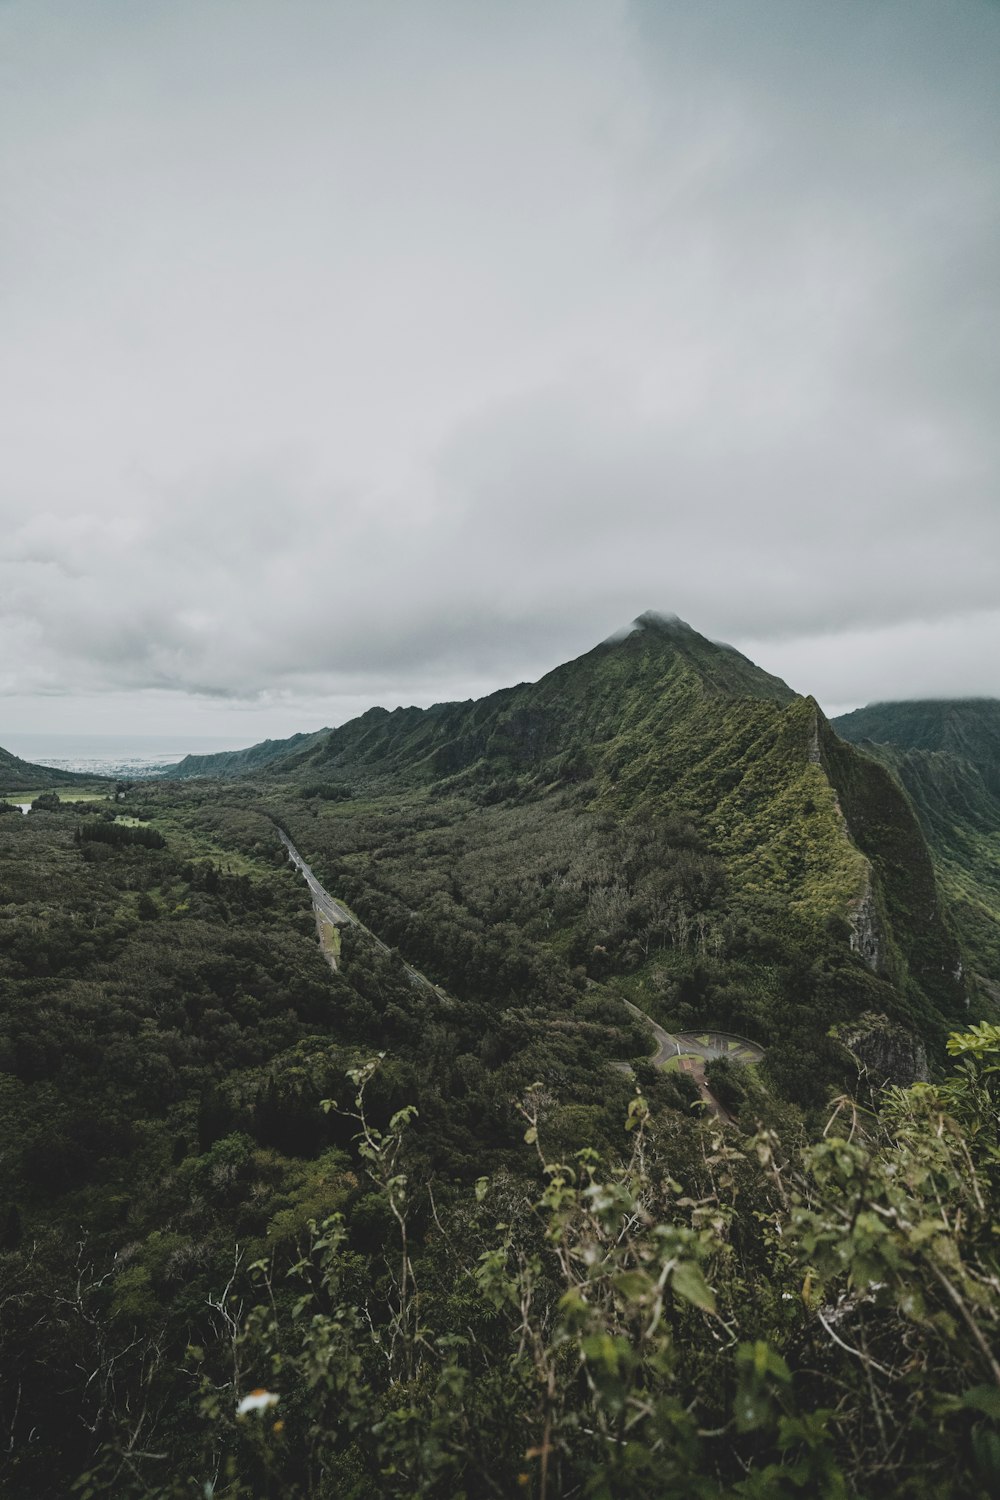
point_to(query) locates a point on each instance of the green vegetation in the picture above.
(764, 1321)
(67, 794)
(966, 728)
(16, 775)
(469, 1237)
(947, 757)
(239, 762)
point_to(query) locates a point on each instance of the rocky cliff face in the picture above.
(886, 1051)
(900, 926)
(867, 938)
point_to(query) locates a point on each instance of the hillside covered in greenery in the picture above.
(18, 775)
(238, 762)
(947, 755)
(967, 728)
(418, 1185)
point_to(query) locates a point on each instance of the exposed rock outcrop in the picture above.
(886, 1051)
(866, 933)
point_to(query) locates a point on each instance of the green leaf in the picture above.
(689, 1283)
(986, 1449)
(984, 1398)
(633, 1284)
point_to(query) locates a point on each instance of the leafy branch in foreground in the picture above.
(709, 1315)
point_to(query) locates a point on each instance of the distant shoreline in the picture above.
(110, 755)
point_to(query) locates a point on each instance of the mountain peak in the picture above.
(721, 667)
(669, 624)
(647, 672)
(652, 620)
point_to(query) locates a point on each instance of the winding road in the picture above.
(692, 1049)
(666, 1045)
(703, 1044)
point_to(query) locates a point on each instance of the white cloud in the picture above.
(392, 353)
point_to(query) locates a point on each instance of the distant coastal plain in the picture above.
(110, 754)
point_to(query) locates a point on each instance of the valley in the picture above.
(535, 1069)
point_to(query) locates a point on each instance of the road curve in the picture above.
(690, 1044)
(667, 1046)
(696, 1053)
(685, 1044)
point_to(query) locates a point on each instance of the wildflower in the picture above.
(258, 1400)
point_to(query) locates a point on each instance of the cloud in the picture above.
(394, 353)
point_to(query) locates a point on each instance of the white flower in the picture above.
(258, 1400)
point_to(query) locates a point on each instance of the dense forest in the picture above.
(405, 1209)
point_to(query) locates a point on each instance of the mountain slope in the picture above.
(656, 727)
(657, 737)
(947, 756)
(18, 775)
(625, 693)
(904, 884)
(579, 706)
(241, 762)
(968, 728)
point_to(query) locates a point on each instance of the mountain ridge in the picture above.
(968, 728)
(659, 722)
(238, 762)
(945, 753)
(518, 723)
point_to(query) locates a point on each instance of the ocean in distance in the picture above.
(111, 754)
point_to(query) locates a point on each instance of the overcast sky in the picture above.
(368, 352)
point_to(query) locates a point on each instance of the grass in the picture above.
(673, 1064)
(329, 939)
(186, 843)
(63, 793)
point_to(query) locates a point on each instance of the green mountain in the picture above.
(193, 1232)
(947, 756)
(623, 696)
(659, 722)
(583, 705)
(968, 728)
(18, 775)
(659, 729)
(624, 687)
(241, 762)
